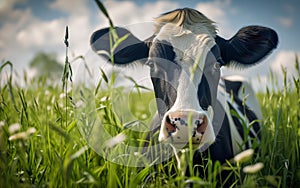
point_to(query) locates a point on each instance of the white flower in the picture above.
(136, 153)
(105, 98)
(47, 92)
(61, 104)
(244, 156)
(144, 116)
(31, 130)
(62, 95)
(252, 169)
(20, 173)
(14, 128)
(80, 103)
(53, 100)
(48, 108)
(2, 124)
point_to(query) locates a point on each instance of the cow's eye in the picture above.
(150, 63)
(217, 65)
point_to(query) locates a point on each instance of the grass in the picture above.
(45, 139)
(281, 133)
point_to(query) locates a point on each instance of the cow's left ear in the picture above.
(248, 46)
(126, 50)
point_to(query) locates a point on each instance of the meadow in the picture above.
(44, 143)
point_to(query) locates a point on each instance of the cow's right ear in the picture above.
(248, 46)
(128, 50)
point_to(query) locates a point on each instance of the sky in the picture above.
(31, 26)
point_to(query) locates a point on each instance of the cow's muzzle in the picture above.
(183, 126)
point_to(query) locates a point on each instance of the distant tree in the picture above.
(46, 64)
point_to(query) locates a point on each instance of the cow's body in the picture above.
(194, 103)
(235, 94)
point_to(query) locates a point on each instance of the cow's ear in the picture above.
(248, 46)
(126, 49)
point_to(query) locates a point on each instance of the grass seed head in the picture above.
(252, 169)
(22, 135)
(244, 156)
(18, 136)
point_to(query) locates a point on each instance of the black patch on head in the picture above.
(165, 93)
(162, 50)
(207, 88)
(215, 50)
(164, 74)
(204, 95)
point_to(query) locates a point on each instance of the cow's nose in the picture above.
(179, 127)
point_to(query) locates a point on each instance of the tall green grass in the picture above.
(280, 145)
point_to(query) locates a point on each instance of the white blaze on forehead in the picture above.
(186, 41)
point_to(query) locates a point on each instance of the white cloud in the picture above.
(5, 8)
(11, 24)
(259, 75)
(282, 59)
(217, 12)
(285, 59)
(137, 14)
(23, 34)
(212, 11)
(78, 21)
(72, 7)
(137, 18)
(39, 34)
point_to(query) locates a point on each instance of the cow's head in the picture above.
(185, 56)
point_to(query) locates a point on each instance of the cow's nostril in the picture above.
(201, 124)
(170, 126)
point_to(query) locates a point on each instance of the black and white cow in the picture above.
(185, 55)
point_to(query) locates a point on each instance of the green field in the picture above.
(41, 145)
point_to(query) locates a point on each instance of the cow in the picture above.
(194, 103)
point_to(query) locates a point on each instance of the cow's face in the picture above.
(185, 56)
(185, 71)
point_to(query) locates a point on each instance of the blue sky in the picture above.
(30, 26)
